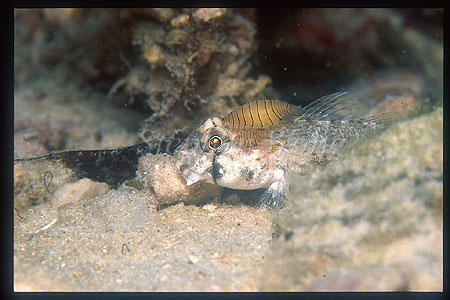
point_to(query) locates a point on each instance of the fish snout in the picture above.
(189, 175)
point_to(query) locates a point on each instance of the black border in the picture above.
(7, 106)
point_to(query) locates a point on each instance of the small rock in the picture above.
(206, 14)
(158, 173)
(194, 259)
(179, 21)
(154, 55)
(83, 189)
(210, 207)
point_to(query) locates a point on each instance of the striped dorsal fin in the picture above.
(258, 114)
(252, 120)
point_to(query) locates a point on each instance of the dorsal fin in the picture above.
(252, 120)
(258, 114)
(336, 106)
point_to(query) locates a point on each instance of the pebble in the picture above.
(210, 207)
(179, 21)
(76, 191)
(206, 14)
(194, 259)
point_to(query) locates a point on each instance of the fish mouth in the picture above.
(190, 176)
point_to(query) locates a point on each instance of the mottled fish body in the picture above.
(260, 143)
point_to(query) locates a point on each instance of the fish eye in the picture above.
(215, 142)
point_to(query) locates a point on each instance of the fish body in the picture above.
(260, 143)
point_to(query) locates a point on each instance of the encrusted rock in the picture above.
(158, 173)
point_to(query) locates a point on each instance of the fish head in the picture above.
(196, 156)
